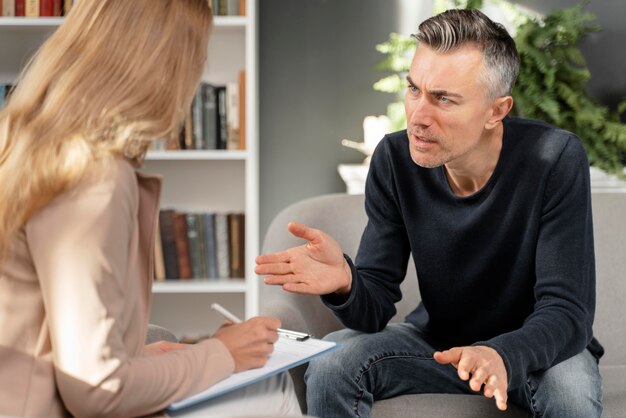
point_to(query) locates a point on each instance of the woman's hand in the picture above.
(250, 342)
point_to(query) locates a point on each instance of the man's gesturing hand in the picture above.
(481, 365)
(316, 268)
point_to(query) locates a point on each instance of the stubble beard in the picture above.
(422, 158)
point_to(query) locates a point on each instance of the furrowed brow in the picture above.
(443, 93)
(439, 92)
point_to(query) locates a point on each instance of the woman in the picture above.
(77, 222)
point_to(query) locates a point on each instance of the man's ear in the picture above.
(499, 109)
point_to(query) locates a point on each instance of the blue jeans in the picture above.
(398, 361)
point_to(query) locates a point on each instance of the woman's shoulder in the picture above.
(108, 176)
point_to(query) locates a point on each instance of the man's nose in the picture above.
(420, 113)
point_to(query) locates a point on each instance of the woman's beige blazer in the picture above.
(74, 303)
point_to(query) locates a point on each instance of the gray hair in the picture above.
(454, 28)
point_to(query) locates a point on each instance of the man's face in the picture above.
(447, 108)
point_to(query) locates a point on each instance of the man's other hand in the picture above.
(482, 366)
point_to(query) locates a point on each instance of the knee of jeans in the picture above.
(342, 363)
(573, 387)
(330, 366)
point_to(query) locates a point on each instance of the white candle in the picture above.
(374, 128)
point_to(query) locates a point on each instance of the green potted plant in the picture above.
(551, 85)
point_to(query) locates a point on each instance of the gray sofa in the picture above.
(344, 218)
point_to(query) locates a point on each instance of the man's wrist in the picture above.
(345, 290)
(342, 294)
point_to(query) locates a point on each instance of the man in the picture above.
(496, 213)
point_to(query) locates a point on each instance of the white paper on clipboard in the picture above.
(288, 353)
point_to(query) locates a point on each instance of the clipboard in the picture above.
(289, 352)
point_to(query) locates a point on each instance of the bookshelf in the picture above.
(206, 286)
(197, 155)
(194, 181)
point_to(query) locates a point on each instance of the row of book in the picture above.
(199, 246)
(35, 8)
(216, 120)
(228, 7)
(40, 8)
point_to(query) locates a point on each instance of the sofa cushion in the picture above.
(343, 217)
(614, 388)
(443, 405)
(609, 230)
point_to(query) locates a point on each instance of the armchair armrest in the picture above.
(157, 333)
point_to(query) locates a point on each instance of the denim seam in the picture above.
(533, 405)
(373, 362)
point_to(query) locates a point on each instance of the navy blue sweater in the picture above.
(510, 267)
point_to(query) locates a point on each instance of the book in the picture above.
(46, 7)
(220, 7)
(209, 116)
(232, 7)
(204, 273)
(194, 240)
(182, 246)
(210, 255)
(288, 353)
(168, 243)
(20, 7)
(187, 139)
(67, 6)
(31, 8)
(242, 7)
(222, 127)
(237, 244)
(159, 261)
(3, 92)
(158, 144)
(197, 113)
(173, 142)
(222, 246)
(232, 116)
(242, 109)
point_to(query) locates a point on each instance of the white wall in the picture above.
(316, 62)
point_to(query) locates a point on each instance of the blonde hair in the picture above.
(114, 75)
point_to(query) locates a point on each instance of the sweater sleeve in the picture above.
(80, 245)
(561, 323)
(382, 256)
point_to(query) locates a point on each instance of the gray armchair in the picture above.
(343, 217)
(158, 333)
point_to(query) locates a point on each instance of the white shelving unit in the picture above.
(197, 155)
(202, 181)
(30, 23)
(213, 286)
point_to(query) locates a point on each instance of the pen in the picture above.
(298, 336)
(225, 313)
